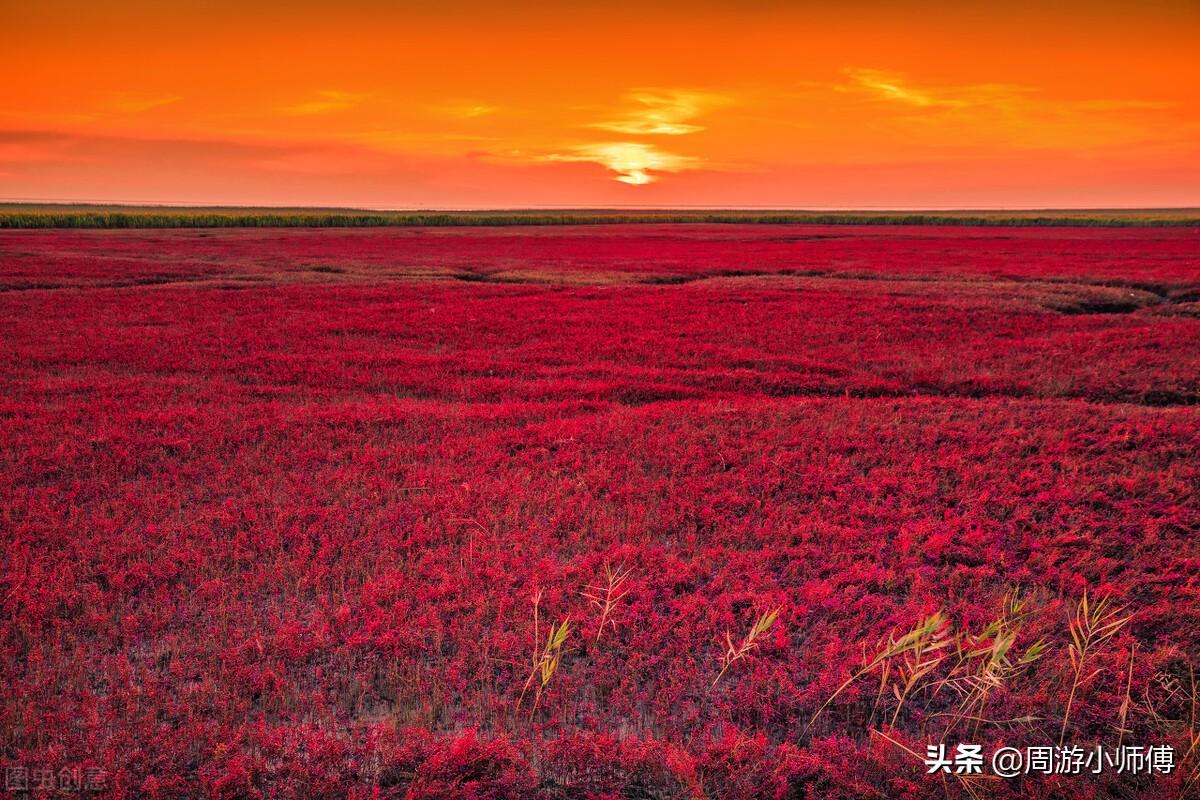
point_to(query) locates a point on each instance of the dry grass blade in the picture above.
(548, 661)
(922, 658)
(1090, 626)
(736, 652)
(551, 656)
(987, 660)
(1193, 733)
(1127, 700)
(545, 659)
(928, 635)
(605, 598)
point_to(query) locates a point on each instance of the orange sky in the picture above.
(718, 103)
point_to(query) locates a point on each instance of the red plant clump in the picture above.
(276, 506)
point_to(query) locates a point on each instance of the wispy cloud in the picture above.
(326, 101)
(897, 88)
(662, 112)
(646, 112)
(633, 162)
(888, 86)
(468, 110)
(133, 103)
(998, 113)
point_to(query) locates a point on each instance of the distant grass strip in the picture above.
(23, 216)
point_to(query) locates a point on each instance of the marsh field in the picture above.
(712, 510)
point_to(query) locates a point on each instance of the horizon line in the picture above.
(9, 202)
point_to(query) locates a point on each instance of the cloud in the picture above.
(326, 101)
(663, 112)
(133, 103)
(895, 87)
(469, 110)
(889, 86)
(634, 162)
(1012, 115)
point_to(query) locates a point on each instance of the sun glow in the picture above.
(633, 162)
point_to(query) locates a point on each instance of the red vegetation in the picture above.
(276, 504)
